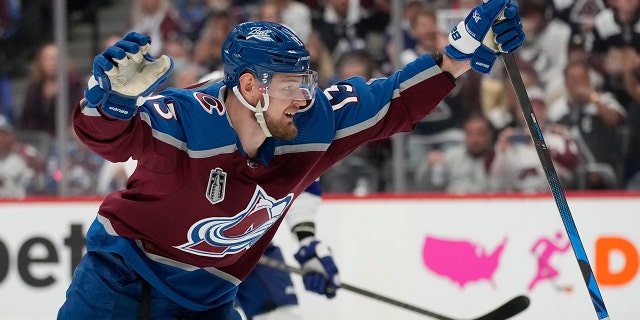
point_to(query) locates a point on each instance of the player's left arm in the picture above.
(385, 106)
(314, 256)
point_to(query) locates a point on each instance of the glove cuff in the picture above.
(462, 40)
(483, 59)
(120, 106)
(455, 54)
(111, 103)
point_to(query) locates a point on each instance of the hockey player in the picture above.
(219, 165)
(268, 293)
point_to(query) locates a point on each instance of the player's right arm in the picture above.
(124, 76)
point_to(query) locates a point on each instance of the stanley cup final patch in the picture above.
(216, 186)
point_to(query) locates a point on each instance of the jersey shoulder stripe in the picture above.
(192, 120)
(360, 105)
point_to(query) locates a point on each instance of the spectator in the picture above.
(367, 169)
(452, 4)
(615, 29)
(450, 11)
(355, 64)
(15, 173)
(408, 41)
(320, 60)
(193, 16)
(185, 71)
(316, 6)
(516, 166)
(7, 106)
(10, 12)
(268, 11)
(374, 24)
(82, 167)
(36, 161)
(9, 16)
(424, 29)
(631, 69)
(579, 15)
(296, 15)
(442, 128)
(110, 39)
(157, 18)
(83, 10)
(546, 45)
(596, 120)
(114, 175)
(25, 27)
(338, 27)
(187, 77)
(462, 168)
(39, 108)
(506, 112)
(208, 49)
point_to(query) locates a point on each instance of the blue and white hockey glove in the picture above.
(321, 272)
(125, 75)
(479, 39)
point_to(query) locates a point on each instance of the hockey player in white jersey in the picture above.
(220, 164)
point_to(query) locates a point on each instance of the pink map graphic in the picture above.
(461, 261)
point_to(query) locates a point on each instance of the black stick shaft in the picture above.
(555, 186)
(510, 308)
(273, 263)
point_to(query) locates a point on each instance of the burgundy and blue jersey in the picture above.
(197, 213)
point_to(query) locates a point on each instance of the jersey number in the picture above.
(341, 95)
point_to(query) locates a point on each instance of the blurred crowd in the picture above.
(580, 64)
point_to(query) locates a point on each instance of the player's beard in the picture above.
(281, 129)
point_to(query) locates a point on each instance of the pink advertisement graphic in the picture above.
(464, 262)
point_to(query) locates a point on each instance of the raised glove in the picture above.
(466, 39)
(125, 75)
(321, 272)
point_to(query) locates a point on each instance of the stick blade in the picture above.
(508, 310)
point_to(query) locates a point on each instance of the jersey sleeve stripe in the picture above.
(308, 147)
(182, 145)
(345, 132)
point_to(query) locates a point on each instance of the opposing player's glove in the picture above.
(125, 75)
(489, 29)
(321, 272)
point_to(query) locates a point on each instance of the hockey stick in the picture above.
(554, 184)
(505, 311)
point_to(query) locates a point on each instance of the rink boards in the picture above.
(456, 256)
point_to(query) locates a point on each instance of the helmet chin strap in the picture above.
(258, 110)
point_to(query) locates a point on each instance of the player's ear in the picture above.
(248, 86)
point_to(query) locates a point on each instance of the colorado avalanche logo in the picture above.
(219, 236)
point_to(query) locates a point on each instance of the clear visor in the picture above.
(292, 86)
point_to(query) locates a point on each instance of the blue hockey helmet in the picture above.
(263, 48)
